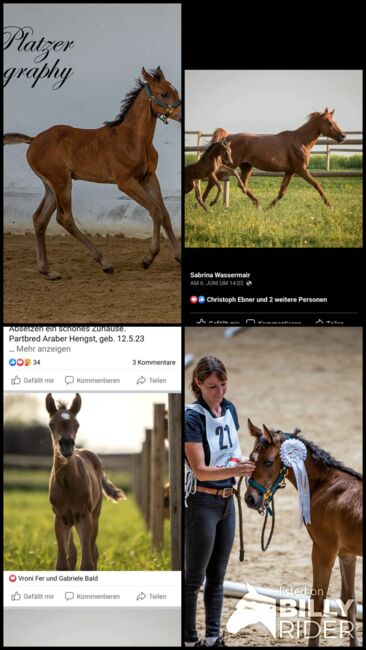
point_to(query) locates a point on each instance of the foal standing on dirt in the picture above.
(336, 516)
(121, 153)
(216, 157)
(76, 488)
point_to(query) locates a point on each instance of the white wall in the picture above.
(112, 43)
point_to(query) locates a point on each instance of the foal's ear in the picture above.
(326, 111)
(148, 77)
(50, 404)
(253, 430)
(76, 404)
(332, 112)
(159, 74)
(267, 434)
(296, 431)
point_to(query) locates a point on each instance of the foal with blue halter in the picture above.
(332, 516)
(121, 152)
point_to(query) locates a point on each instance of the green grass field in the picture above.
(299, 220)
(123, 541)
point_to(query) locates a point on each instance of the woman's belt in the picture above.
(225, 492)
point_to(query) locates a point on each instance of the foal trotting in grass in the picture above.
(216, 157)
(76, 489)
(120, 152)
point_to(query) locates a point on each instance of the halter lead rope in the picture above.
(268, 511)
(241, 535)
(268, 495)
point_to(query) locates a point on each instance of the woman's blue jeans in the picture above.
(209, 537)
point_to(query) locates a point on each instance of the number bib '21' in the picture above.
(222, 436)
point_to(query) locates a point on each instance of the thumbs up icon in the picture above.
(16, 596)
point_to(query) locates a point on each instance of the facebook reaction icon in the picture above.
(12, 362)
(201, 300)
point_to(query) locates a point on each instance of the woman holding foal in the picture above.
(213, 455)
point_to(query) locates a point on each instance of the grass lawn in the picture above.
(123, 541)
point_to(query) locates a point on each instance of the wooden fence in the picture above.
(151, 467)
(330, 147)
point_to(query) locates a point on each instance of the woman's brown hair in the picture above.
(204, 368)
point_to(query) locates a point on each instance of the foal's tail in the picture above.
(112, 491)
(218, 135)
(16, 138)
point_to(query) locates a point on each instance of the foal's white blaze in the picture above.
(65, 416)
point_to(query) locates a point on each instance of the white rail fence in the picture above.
(328, 147)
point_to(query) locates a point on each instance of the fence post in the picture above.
(157, 478)
(137, 478)
(175, 478)
(145, 476)
(198, 153)
(226, 193)
(198, 156)
(328, 158)
(143, 486)
(147, 480)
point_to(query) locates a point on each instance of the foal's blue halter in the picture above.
(268, 493)
(170, 108)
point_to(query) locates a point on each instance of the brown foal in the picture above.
(120, 152)
(336, 516)
(216, 157)
(288, 152)
(77, 485)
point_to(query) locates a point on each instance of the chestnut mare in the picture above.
(336, 514)
(76, 489)
(288, 151)
(216, 157)
(120, 152)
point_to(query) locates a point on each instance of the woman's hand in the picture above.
(244, 468)
(196, 458)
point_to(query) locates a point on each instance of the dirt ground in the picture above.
(287, 377)
(85, 294)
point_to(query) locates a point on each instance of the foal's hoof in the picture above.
(105, 264)
(52, 275)
(145, 264)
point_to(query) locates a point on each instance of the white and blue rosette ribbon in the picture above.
(293, 453)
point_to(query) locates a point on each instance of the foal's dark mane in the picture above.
(61, 406)
(211, 146)
(130, 98)
(319, 456)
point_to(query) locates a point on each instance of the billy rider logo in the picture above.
(292, 620)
